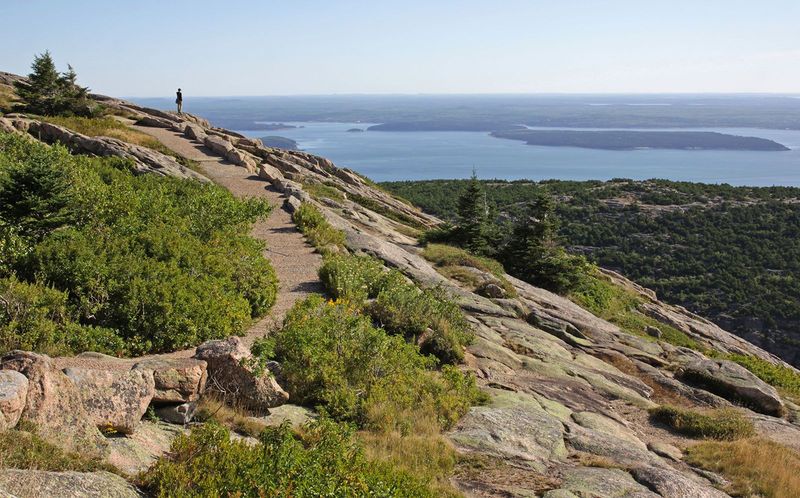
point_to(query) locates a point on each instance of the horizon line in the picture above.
(488, 94)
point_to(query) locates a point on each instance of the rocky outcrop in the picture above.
(40, 483)
(234, 375)
(735, 383)
(177, 380)
(115, 400)
(13, 394)
(54, 404)
(144, 160)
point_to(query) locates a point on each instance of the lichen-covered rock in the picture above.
(13, 393)
(601, 423)
(136, 452)
(54, 404)
(531, 435)
(40, 483)
(665, 450)
(114, 399)
(594, 482)
(734, 383)
(177, 380)
(672, 484)
(233, 375)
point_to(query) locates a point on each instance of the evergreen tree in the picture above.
(473, 218)
(533, 253)
(34, 194)
(49, 93)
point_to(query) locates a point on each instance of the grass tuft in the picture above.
(725, 423)
(451, 262)
(755, 467)
(234, 418)
(21, 449)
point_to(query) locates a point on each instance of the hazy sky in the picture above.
(249, 47)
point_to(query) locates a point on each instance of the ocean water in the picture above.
(387, 156)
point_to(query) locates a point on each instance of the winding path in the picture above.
(295, 261)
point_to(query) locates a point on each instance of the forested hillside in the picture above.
(729, 253)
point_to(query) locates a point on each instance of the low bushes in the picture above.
(726, 423)
(325, 460)
(332, 356)
(36, 318)
(426, 317)
(354, 278)
(163, 263)
(754, 467)
(311, 222)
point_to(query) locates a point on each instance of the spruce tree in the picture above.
(49, 93)
(472, 218)
(533, 252)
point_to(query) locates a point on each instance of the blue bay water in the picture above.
(386, 156)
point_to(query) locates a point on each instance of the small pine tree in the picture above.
(34, 195)
(49, 93)
(473, 218)
(533, 253)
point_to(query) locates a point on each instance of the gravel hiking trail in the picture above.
(295, 261)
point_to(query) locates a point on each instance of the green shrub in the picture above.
(725, 423)
(21, 449)
(333, 356)
(427, 315)
(165, 263)
(325, 460)
(354, 278)
(312, 223)
(785, 378)
(36, 318)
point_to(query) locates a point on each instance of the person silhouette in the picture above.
(179, 101)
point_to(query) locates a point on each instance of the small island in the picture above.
(280, 142)
(355, 130)
(631, 140)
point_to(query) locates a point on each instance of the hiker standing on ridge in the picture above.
(179, 100)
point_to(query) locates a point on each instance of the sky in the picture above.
(147, 48)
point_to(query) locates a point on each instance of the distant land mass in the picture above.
(500, 112)
(355, 130)
(629, 140)
(279, 142)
